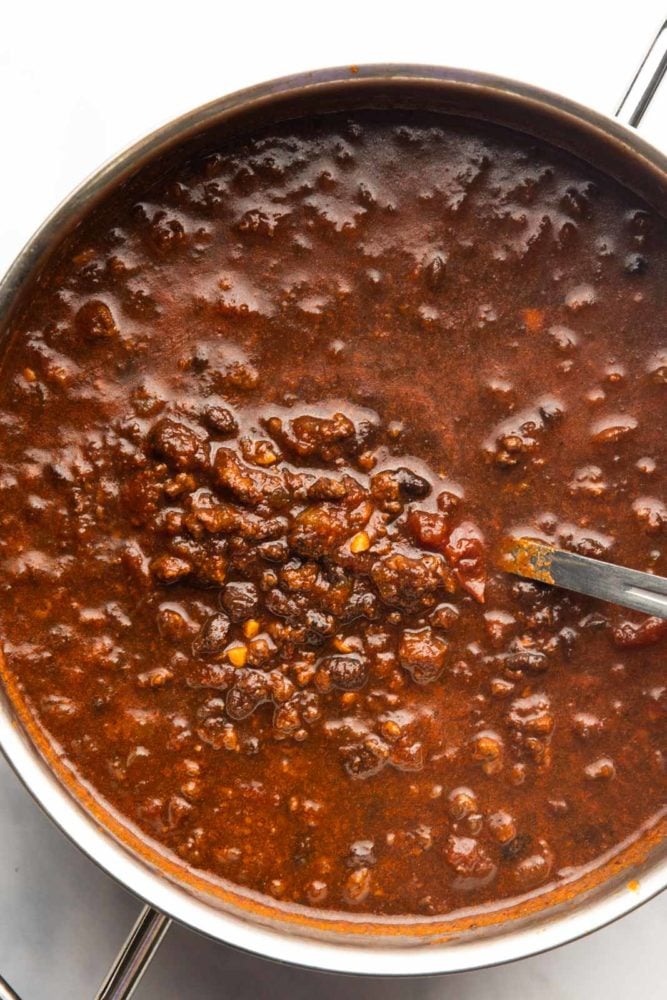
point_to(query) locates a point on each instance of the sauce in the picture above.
(261, 426)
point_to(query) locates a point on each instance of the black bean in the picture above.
(240, 600)
(212, 636)
(517, 847)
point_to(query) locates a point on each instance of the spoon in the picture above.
(628, 587)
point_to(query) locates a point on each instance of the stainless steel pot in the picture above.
(383, 947)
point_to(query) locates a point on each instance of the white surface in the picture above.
(78, 82)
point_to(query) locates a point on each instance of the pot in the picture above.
(350, 944)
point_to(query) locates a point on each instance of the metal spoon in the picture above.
(628, 587)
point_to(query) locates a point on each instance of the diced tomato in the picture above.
(429, 530)
(466, 553)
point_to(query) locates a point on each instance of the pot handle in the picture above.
(647, 79)
(6, 992)
(134, 957)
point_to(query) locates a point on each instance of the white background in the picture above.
(78, 81)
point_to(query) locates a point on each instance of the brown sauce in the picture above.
(260, 432)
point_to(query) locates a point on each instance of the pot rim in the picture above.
(550, 927)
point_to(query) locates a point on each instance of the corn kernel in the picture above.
(237, 655)
(391, 730)
(265, 457)
(250, 628)
(341, 645)
(29, 375)
(367, 461)
(360, 542)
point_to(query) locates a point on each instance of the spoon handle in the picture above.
(628, 587)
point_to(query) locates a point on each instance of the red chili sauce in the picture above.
(262, 427)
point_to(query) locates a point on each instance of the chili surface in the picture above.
(262, 428)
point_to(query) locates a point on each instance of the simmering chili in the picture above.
(262, 426)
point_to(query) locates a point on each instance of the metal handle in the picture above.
(647, 79)
(628, 587)
(6, 992)
(133, 959)
(618, 584)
